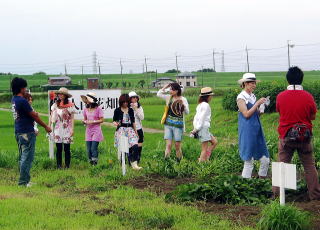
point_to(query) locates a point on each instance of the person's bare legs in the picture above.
(178, 149)
(203, 154)
(211, 147)
(168, 148)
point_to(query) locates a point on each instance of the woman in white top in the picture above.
(62, 116)
(139, 116)
(174, 121)
(201, 124)
(252, 143)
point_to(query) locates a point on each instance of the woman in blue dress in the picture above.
(252, 144)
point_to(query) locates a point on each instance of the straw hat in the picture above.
(248, 77)
(206, 91)
(177, 107)
(64, 91)
(133, 94)
(89, 98)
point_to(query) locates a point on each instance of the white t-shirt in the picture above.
(247, 97)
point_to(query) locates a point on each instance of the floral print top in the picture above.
(62, 118)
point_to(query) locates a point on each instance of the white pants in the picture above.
(248, 167)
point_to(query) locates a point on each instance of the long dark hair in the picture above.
(204, 99)
(65, 101)
(176, 86)
(92, 105)
(137, 101)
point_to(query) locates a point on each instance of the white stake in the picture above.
(123, 158)
(123, 148)
(282, 184)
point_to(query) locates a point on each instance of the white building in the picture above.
(161, 82)
(187, 79)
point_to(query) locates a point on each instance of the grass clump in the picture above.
(278, 217)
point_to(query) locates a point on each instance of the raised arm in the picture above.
(243, 107)
(161, 92)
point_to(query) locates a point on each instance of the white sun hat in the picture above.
(89, 98)
(133, 94)
(248, 77)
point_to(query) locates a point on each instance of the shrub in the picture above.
(271, 89)
(278, 217)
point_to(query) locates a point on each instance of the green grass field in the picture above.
(86, 197)
(219, 79)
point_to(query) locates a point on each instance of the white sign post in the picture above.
(284, 176)
(123, 148)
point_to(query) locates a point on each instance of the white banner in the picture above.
(107, 98)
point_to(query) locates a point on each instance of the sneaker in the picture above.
(30, 184)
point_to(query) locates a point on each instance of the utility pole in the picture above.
(202, 76)
(65, 69)
(82, 69)
(222, 61)
(248, 67)
(214, 69)
(121, 68)
(94, 62)
(289, 46)
(145, 63)
(177, 69)
(214, 62)
(99, 69)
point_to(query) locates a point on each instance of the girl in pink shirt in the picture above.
(93, 117)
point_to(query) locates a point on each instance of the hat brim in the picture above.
(135, 96)
(86, 99)
(247, 80)
(64, 93)
(206, 94)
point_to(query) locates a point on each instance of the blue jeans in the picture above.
(92, 150)
(26, 144)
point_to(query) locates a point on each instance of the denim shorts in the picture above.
(173, 133)
(204, 134)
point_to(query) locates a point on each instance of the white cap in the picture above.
(133, 94)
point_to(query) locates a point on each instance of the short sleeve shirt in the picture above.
(247, 97)
(23, 122)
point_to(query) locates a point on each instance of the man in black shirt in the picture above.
(24, 118)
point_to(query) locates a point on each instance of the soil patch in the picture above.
(103, 212)
(242, 215)
(157, 183)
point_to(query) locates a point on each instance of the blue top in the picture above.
(21, 108)
(252, 143)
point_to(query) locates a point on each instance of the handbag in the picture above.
(299, 133)
(165, 113)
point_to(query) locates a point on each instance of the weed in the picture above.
(279, 217)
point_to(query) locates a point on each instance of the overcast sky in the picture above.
(49, 33)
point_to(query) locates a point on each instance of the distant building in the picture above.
(62, 80)
(161, 82)
(187, 79)
(93, 83)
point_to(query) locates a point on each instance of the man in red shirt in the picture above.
(297, 109)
